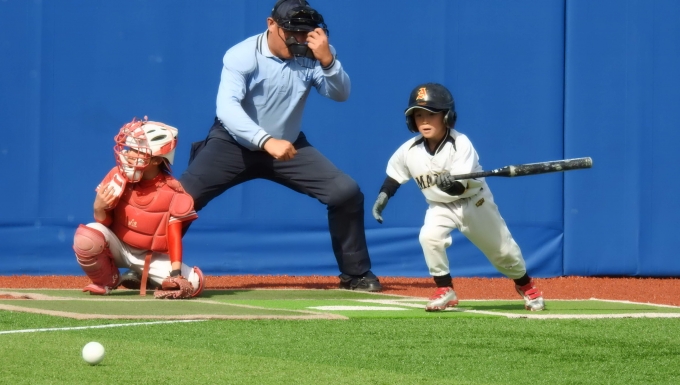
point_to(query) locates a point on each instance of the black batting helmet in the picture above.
(433, 97)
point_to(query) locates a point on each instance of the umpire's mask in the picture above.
(298, 16)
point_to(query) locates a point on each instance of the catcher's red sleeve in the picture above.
(175, 241)
(107, 221)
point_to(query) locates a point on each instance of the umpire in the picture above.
(265, 82)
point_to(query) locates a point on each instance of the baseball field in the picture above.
(278, 329)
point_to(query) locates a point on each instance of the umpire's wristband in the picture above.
(326, 68)
(264, 140)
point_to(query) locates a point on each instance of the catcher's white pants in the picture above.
(126, 256)
(477, 218)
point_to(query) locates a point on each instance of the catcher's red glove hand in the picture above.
(174, 288)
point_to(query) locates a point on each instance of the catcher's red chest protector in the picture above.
(141, 217)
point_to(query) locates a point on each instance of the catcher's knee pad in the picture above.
(88, 242)
(94, 256)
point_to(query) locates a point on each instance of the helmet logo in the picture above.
(422, 95)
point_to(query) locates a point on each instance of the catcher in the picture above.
(140, 211)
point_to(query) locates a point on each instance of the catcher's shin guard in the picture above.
(94, 257)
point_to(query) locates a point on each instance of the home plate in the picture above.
(345, 308)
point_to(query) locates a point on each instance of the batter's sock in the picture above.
(522, 281)
(443, 280)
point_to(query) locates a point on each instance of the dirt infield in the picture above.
(654, 290)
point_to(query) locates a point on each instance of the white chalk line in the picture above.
(635, 303)
(538, 315)
(97, 326)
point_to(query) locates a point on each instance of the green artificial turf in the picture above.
(151, 307)
(433, 350)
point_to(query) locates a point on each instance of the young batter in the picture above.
(140, 211)
(431, 159)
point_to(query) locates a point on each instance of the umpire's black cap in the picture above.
(297, 15)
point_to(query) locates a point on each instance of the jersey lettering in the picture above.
(425, 181)
(419, 182)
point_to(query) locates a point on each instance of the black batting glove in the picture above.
(379, 206)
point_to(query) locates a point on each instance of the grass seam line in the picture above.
(96, 326)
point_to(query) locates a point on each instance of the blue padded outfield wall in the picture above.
(534, 80)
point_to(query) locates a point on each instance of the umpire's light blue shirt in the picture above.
(262, 96)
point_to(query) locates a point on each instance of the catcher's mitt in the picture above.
(174, 288)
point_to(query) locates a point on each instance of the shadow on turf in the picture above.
(287, 286)
(326, 286)
(149, 294)
(494, 307)
(218, 293)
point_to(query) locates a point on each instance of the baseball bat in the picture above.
(532, 168)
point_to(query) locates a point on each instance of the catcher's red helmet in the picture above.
(138, 141)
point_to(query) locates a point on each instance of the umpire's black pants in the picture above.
(220, 163)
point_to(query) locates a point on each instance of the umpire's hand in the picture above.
(280, 149)
(317, 41)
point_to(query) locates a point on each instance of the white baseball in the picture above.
(93, 353)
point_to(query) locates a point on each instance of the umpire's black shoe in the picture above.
(365, 282)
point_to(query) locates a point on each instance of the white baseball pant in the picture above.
(478, 218)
